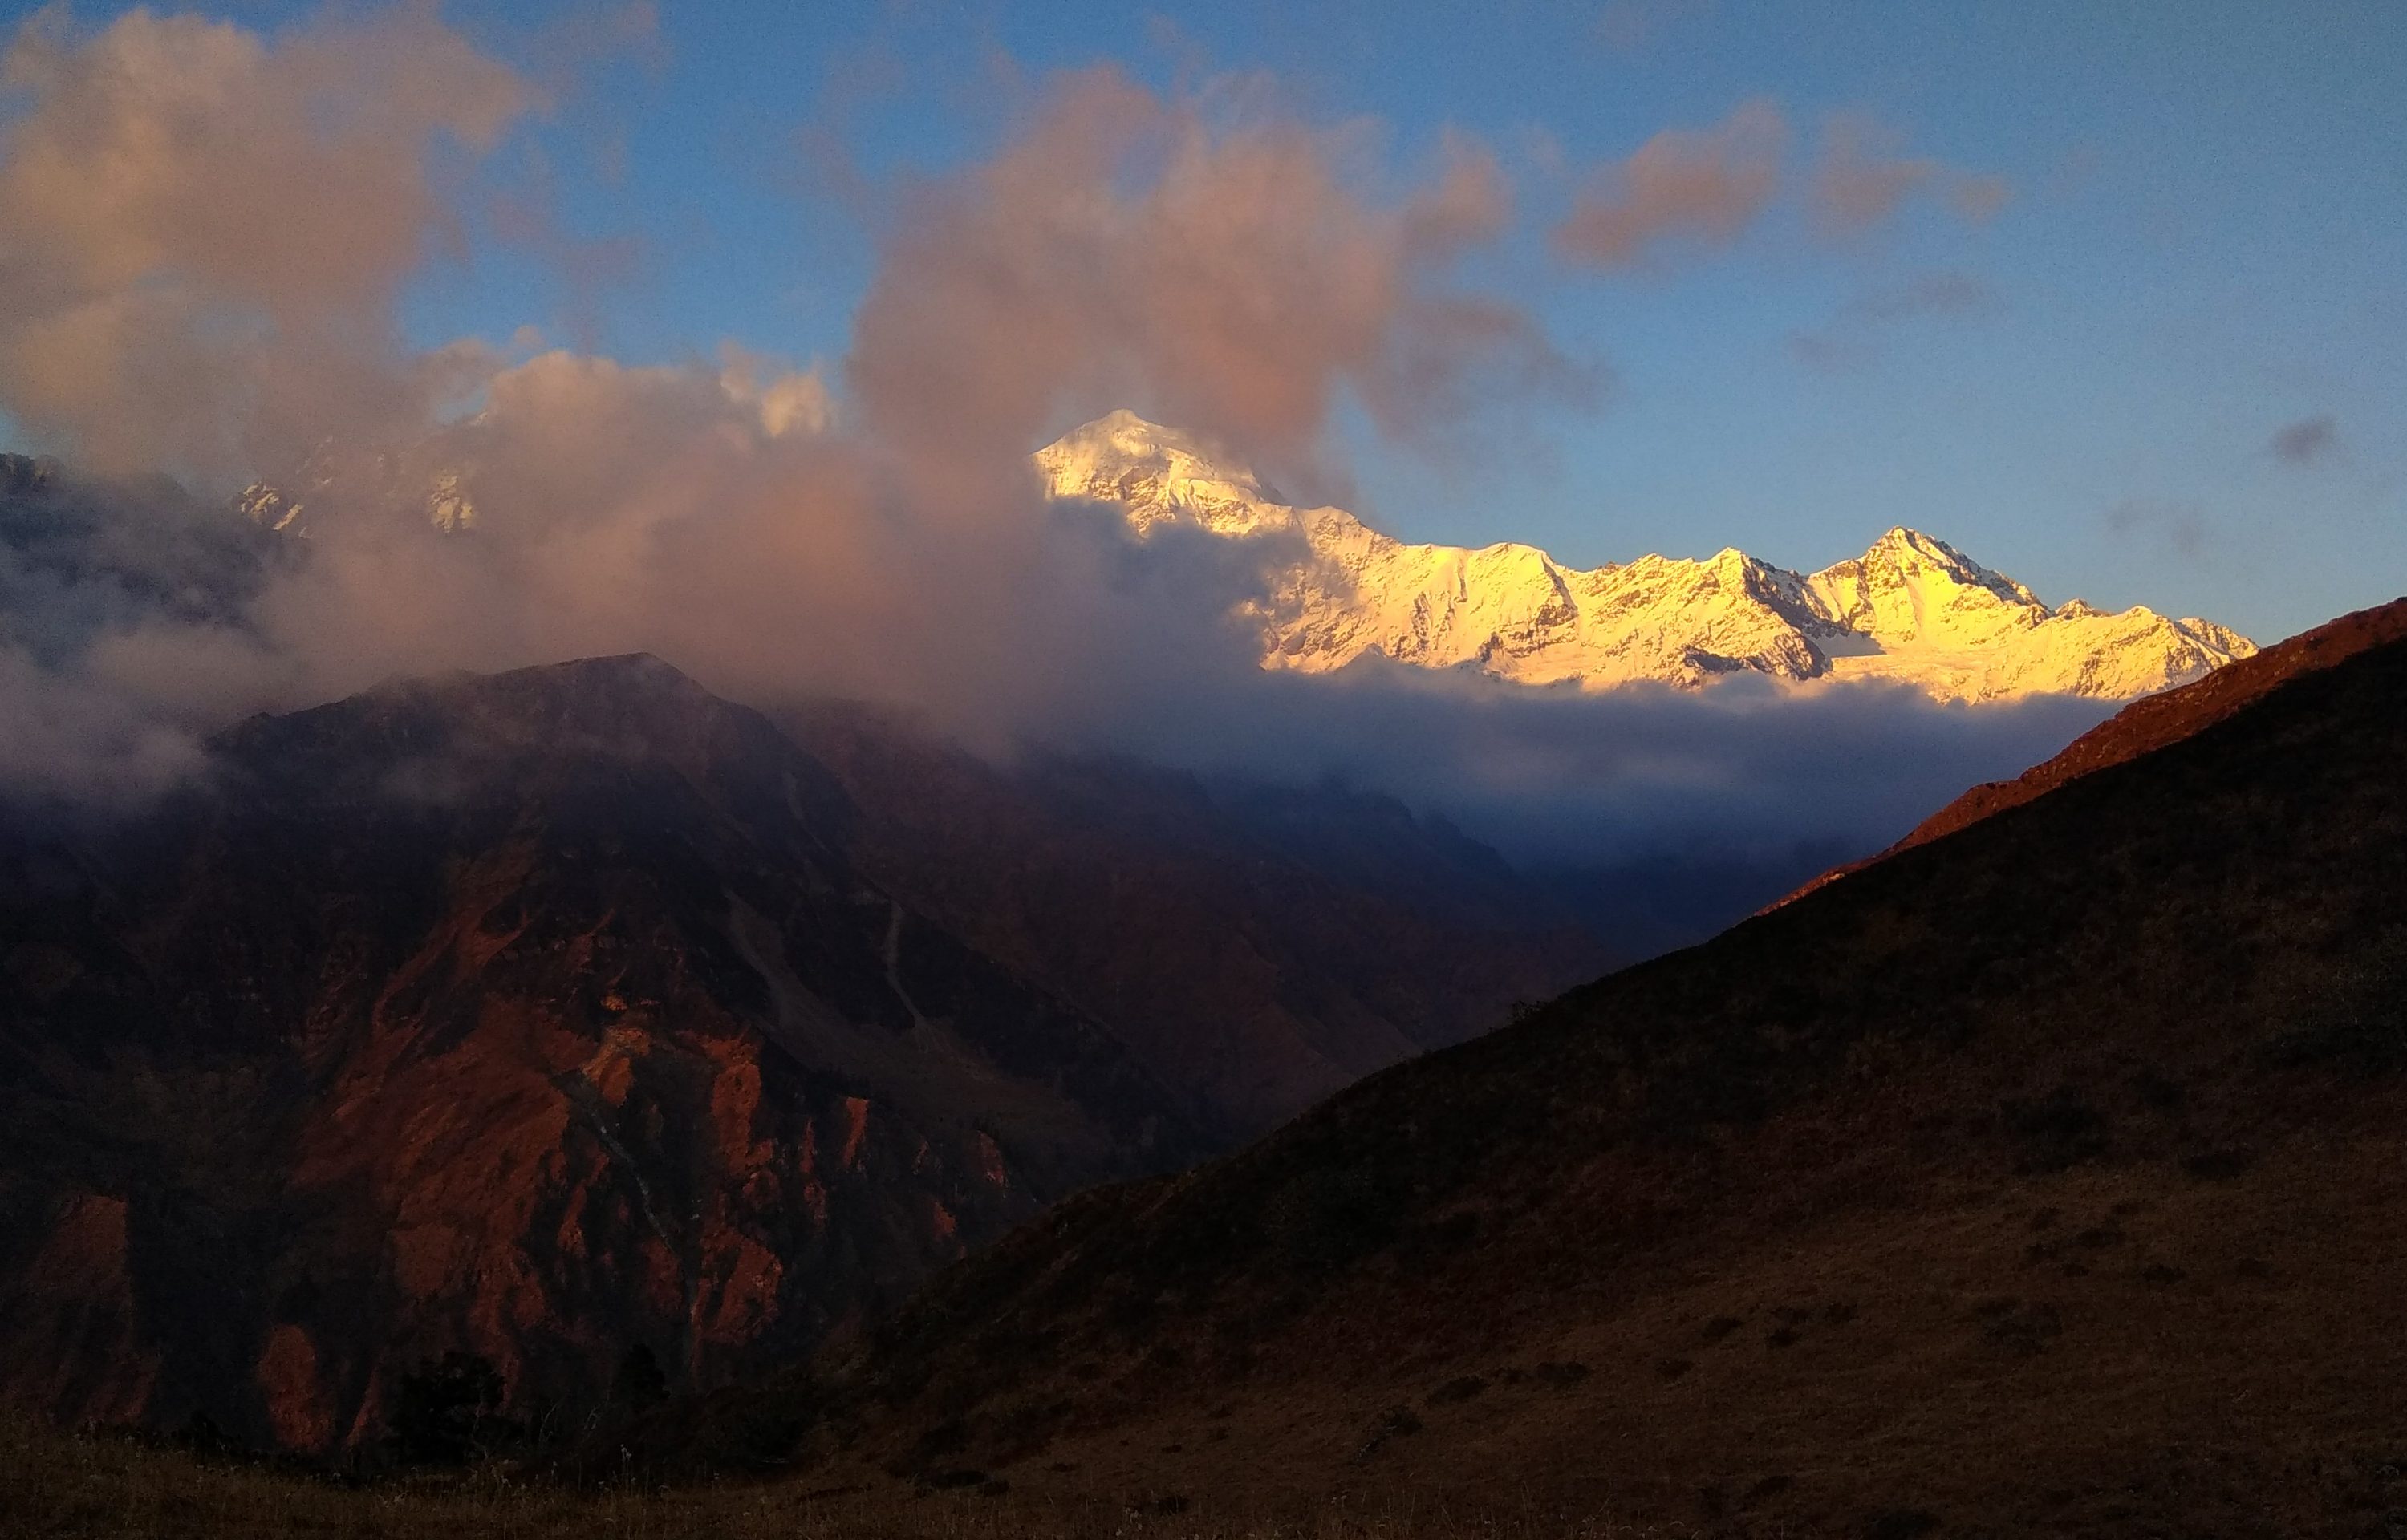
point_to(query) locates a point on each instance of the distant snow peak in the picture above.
(1158, 476)
(1912, 608)
(447, 507)
(441, 499)
(270, 507)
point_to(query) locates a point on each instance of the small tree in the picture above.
(448, 1411)
(639, 1385)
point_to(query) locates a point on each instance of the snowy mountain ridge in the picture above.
(1911, 609)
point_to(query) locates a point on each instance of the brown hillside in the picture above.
(554, 1015)
(2153, 721)
(2047, 1178)
(538, 1015)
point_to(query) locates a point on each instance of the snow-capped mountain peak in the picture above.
(1911, 587)
(1912, 608)
(1157, 473)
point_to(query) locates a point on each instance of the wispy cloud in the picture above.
(2180, 527)
(1626, 26)
(1978, 196)
(1932, 294)
(1864, 174)
(1852, 337)
(2309, 441)
(1704, 186)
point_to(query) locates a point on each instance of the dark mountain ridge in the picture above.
(556, 1014)
(541, 1015)
(1263, 945)
(2041, 1178)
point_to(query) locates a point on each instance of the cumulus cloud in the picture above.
(789, 400)
(779, 534)
(2309, 441)
(182, 201)
(1124, 251)
(693, 513)
(1704, 186)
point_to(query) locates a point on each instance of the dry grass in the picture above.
(61, 1486)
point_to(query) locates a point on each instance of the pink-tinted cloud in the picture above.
(205, 231)
(780, 535)
(1979, 197)
(1236, 280)
(1704, 186)
(1239, 271)
(1864, 175)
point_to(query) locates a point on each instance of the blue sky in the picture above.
(2206, 242)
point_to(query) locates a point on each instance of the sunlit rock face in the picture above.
(1911, 609)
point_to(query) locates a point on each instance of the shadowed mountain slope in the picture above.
(2043, 1178)
(554, 1015)
(1258, 945)
(539, 1015)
